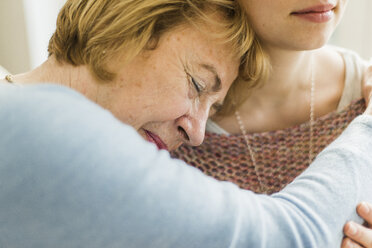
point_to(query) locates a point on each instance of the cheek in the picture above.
(262, 11)
(171, 106)
(179, 107)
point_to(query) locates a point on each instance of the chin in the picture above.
(320, 39)
(310, 43)
(313, 46)
(313, 39)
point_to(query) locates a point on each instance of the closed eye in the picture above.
(198, 87)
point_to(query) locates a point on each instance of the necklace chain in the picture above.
(243, 130)
(312, 110)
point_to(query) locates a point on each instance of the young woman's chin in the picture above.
(310, 41)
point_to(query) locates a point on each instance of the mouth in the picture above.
(317, 14)
(153, 138)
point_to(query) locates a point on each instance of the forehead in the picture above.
(199, 46)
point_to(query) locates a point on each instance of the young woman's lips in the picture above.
(316, 14)
(153, 138)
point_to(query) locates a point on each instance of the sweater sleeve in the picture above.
(71, 175)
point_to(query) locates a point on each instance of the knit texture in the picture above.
(280, 155)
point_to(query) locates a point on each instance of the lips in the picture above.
(317, 14)
(318, 8)
(153, 138)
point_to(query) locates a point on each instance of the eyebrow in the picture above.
(217, 80)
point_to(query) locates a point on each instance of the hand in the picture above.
(358, 235)
(367, 89)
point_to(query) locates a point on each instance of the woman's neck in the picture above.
(284, 99)
(51, 71)
(290, 72)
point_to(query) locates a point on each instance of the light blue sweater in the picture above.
(71, 175)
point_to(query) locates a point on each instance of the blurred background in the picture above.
(26, 26)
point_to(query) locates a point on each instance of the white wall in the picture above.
(25, 28)
(355, 29)
(14, 53)
(40, 16)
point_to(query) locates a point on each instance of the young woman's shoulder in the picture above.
(354, 68)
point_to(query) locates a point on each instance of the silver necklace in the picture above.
(243, 130)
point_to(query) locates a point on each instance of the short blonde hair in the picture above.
(90, 32)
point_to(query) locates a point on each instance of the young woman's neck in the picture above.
(290, 71)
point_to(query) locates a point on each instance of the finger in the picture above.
(348, 243)
(358, 233)
(364, 209)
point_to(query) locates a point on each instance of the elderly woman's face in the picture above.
(167, 93)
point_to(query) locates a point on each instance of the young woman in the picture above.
(306, 100)
(310, 95)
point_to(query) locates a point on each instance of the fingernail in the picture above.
(364, 208)
(348, 243)
(351, 229)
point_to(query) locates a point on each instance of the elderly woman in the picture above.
(75, 173)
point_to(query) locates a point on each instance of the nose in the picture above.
(192, 126)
